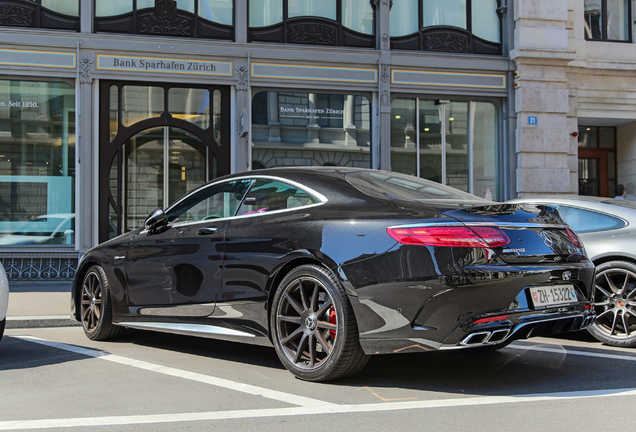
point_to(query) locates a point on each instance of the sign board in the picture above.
(533, 120)
(164, 65)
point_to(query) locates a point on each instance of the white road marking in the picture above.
(571, 352)
(303, 411)
(193, 376)
(307, 406)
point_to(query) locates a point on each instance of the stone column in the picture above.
(241, 21)
(541, 55)
(243, 151)
(87, 174)
(383, 10)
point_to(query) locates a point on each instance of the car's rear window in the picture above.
(390, 185)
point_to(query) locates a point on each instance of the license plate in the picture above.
(553, 295)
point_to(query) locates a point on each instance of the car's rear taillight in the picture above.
(574, 238)
(455, 236)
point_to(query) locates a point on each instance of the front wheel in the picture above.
(615, 304)
(313, 327)
(96, 307)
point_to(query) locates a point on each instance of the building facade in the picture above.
(109, 109)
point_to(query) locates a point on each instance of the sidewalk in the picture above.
(39, 304)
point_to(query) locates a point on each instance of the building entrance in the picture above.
(157, 142)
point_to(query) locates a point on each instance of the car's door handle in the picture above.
(207, 231)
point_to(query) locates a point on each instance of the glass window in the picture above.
(218, 11)
(588, 136)
(404, 18)
(296, 128)
(318, 8)
(112, 7)
(264, 13)
(65, 7)
(269, 195)
(583, 221)
(190, 104)
(454, 143)
(37, 162)
(358, 16)
(607, 137)
(212, 202)
(141, 103)
(484, 149)
(444, 13)
(305, 22)
(484, 19)
(607, 20)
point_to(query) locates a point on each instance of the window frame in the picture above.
(44, 18)
(131, 23)
(604, 36)
(444, 38)
(313, 30)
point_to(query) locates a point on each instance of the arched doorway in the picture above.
(157, 142)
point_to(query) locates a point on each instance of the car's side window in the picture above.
(269, 195)
(583, 221)
(212, 202)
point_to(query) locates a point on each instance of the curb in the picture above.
(41, 321)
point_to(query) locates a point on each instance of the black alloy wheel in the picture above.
(95, 306)
(314, 330)
(615, 304)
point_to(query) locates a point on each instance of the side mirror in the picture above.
(155, 220)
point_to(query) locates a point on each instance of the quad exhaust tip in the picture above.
(486, 337)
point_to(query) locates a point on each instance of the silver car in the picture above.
(4, 299)
(607, 227)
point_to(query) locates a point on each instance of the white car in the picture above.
(4, 299)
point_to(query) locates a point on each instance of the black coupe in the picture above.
(331, 265)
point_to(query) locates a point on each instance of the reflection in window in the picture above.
(404, 18)
(212, 202)
(444, 13)
(192, 18)
(293, 128)
(65, 7)
(317, 8)
(268, 195)
(346, 22)
(264, 13)
(446, 25)
(607, 20)
(583, 221)
(190, 104)
(37, 161)
(451, 143)
(140, 103)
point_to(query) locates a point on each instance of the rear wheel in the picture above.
(615, 304)
(314, 330)
(2, 325)
(95, 306)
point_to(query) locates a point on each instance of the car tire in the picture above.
(96, 307)
(3, 323)
(614, 299)
(313, 326)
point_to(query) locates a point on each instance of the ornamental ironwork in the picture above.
(447, 42)
(85, 66)
(40, 268)
(165, 20)
(315, 34)
(18, 16)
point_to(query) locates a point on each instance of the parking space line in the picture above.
(572, 352)
(193, 376)
(302, 411)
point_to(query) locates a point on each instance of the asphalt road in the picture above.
(57, 379)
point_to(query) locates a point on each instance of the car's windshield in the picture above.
(390, 185)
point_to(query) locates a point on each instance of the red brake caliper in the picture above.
(332, 320)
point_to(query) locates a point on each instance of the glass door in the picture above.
(155, 168)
